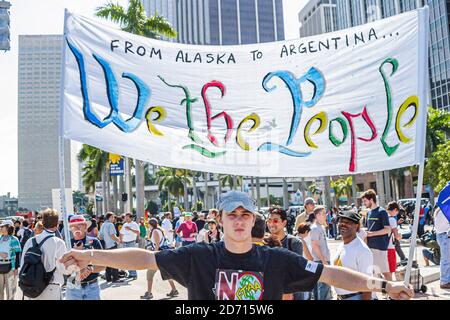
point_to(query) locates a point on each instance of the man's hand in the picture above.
(75, 260)
(398, 291)
(78, 247)
(84, 273)
(16, 272)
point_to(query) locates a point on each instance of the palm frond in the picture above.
(114, 12)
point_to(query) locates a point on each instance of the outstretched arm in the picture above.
(128, 259)
(350, 280)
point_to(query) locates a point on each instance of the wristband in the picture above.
(383, 287)
(91, 253)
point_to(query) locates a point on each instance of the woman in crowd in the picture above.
(142, 233)
(167, 226)
(213, 234)
(9, 260)
(187, 230)
(157, 242)
(303, 234)
(92, 231)
(38, 228)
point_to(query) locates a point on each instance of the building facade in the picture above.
(317, 17)
(222, 22)
(8, 205)
(4, 25)
(351, 13)
(38, 122)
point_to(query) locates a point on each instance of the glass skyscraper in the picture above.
(440, 53)
(350, 13)
(222, 22)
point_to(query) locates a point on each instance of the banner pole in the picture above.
(424, 100)
(62, 177)
(415, 224)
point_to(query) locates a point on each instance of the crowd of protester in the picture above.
(369, 242)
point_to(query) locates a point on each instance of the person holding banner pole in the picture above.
(232, 256)
(442, 226)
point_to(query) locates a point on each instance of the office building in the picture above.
(222, 22)
(317, 17)
(38, 122)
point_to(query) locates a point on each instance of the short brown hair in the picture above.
(278, 210)
(304, 227)
(370, 195)
(50, 218)
(392, 206)
(10, 230)
(317, 210)
(259, 228)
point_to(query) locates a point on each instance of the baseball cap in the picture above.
(188, 214)
(79, 219)
(6, 223)
(235, 199)
(309, 201)
(351, 215)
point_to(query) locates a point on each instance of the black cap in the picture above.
(351, 215)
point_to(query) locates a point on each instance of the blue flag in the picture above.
(444, 201)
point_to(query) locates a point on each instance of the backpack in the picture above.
(163, 242)
(33, 279)
(25, 237)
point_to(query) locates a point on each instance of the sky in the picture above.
(30, 17)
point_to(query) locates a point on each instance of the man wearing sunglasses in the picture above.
(235, 268)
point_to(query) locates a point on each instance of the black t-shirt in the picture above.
(210, 271)
(378, 218)
(200, 224)
(89, 243)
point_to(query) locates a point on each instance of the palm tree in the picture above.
(95, 169)
(232, 181)
(339, 187)
(186, 182)
(134, 20)
(312, 189)
(205, 195)
(173, 181)
(95, 162)
(258, 192)
(195, 175)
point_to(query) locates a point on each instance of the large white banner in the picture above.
(351, 101)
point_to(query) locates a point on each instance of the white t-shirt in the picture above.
(362, 234)
(393, 225)
(308, 244)
(441, 223)
(160, 234)
(129, 235)
(166, 225)
(355, 255)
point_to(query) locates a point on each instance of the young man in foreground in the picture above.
(235, 268)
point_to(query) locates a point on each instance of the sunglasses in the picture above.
(274, 220)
